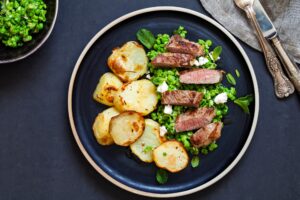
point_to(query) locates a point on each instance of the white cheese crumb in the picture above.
(168, 109)
(195, 62)
(221, 98)
(148, 76)
(163, 87)
(202, 60)
(162, 131)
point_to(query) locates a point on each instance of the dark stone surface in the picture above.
(38, 155)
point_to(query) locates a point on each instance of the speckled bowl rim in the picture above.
(41, 42)
(114, 181)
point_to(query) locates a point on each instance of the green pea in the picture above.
(208, 43)
(27, 38)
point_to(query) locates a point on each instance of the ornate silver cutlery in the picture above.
(283, 87)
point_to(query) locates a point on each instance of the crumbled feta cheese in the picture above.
(202, 60)
(221, 98)
(162, 131)
(195, 62)
(148, 76)
(168, 109)
(163, 87)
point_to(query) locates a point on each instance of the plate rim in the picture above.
(121, 19)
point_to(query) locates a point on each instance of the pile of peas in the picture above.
(19, 19)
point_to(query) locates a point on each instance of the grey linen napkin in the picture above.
(285, 15)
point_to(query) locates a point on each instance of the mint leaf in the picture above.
(216, 53)
(237, 73)
(161, 176)
(230, 79)
(244, 102)
(146, 38)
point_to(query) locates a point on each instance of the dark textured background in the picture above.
(38, 155)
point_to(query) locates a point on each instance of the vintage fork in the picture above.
(283, 86)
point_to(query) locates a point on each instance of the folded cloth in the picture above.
(285, 15)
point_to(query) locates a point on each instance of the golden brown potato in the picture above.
(128, 62)
(126, 127)
(171, 156)
(143, 147)
(139, 96)
(108, 86)
(101, 126)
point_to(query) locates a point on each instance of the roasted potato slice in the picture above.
(128, 62)
(171, 156)
(126, 127)
(143, 147)
(139, 96)
(108, 86)
(101, 126)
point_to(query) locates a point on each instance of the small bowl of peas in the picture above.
(25, 25)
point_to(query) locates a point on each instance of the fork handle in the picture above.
(289, 65)
(283, 86)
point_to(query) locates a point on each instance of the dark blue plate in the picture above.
(116, 163)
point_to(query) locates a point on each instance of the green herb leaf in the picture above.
(237, 73)
(216, 52)
(230, 79)
(161, 176)
(147, 149)
(164, 154)
(146, 38)
(195, 161)
(244, 102)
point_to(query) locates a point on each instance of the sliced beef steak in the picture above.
(173, 60)
(182, 97)
(201, 76)
(194, 119)
(206, 135)
(178, 44)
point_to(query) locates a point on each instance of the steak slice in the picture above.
(207, 134)
(173, 60)
(182, 97)
(178, 44)
(201, 76)
(194, 119)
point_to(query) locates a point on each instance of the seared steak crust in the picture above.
(182, 97)
(173, 60)
(178, 44)
(206, 135)
(194, 119)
